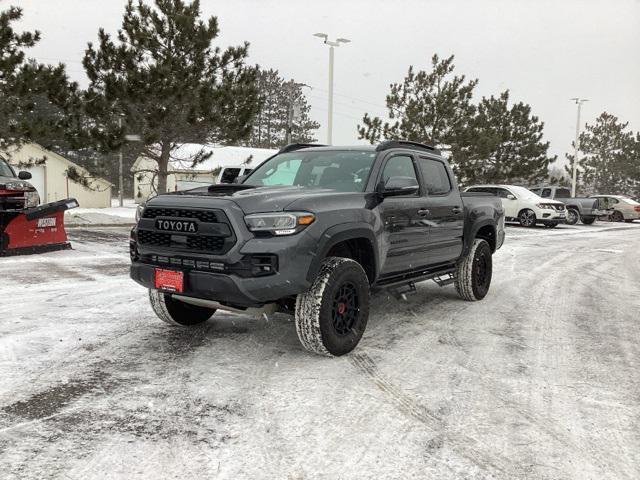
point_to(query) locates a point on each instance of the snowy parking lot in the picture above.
(540, 380)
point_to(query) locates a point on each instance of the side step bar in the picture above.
(267, 309)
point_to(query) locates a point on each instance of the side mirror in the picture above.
(397, 186)
(24, 175)
(511, 197)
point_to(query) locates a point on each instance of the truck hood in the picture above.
(257, 199)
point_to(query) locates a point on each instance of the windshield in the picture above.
(344, 171)
(525, 193)
(5, 169)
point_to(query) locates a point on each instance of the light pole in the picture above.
(576, 147)
(332, 44)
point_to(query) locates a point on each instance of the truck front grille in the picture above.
(204, 241)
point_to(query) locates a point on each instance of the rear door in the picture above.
(445, 211)
(406, 231)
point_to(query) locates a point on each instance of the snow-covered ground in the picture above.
(115, 215)
(538, 381)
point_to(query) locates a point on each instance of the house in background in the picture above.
(223, 166)
(51, 176)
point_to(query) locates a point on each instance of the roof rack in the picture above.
(406, 144)
(292, 147)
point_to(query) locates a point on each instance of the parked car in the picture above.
(578, 208)
(620, 208)
(15, 192)
(309, 232)
(524, 206)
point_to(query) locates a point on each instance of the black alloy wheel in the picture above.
(345, 308)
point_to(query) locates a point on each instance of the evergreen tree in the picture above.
(608, 161)
(165, 81)
(284, 113)
(431, 107)
(35, 99)
(504, 145)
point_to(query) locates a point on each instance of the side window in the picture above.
(546, 193)
(229, 175)
(535, 190)
(399, 166)
(434, 176)
(502, 193)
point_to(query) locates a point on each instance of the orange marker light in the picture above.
(306, 219)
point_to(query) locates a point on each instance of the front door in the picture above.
(511, 205)
(405, 229)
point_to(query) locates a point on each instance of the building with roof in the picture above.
(223, 165)
(56, 178)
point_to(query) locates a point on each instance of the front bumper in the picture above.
(226, 280)
(551, 215)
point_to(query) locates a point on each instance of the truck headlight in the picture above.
(139, 210)
(17, 185)
(31, 199)
(279, 223)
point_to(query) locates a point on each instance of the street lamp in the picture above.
(128, 138)
(576, 146)
(332, 44)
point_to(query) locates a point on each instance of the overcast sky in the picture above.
(543, 51)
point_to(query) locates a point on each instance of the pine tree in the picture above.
(504, 145)
(432, 107)
(608, 161)
(165, 81)
(283, 115)
(35, 99)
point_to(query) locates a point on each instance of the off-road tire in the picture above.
(473, 274)
(588, 220)
(177, 313)
(527, 218)
(319, 315)
(573, 216)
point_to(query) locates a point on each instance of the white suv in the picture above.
(524, 206)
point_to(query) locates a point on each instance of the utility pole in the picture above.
(120, 173)
(293, 108)
(331, 44)
(576, 147)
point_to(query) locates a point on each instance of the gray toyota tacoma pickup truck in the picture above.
(311, 232)
(578, 208)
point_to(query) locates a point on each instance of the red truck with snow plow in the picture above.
(25, 226)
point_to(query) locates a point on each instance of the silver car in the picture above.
(622, 208)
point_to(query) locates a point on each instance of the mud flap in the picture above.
(35, 230)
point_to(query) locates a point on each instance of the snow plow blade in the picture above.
(35, 230)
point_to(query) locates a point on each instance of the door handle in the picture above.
(423, 212)
(456, 209)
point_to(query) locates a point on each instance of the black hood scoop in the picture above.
(218, 190)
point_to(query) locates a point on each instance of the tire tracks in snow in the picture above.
(464, 446)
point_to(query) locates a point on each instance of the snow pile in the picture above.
(115, 215)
